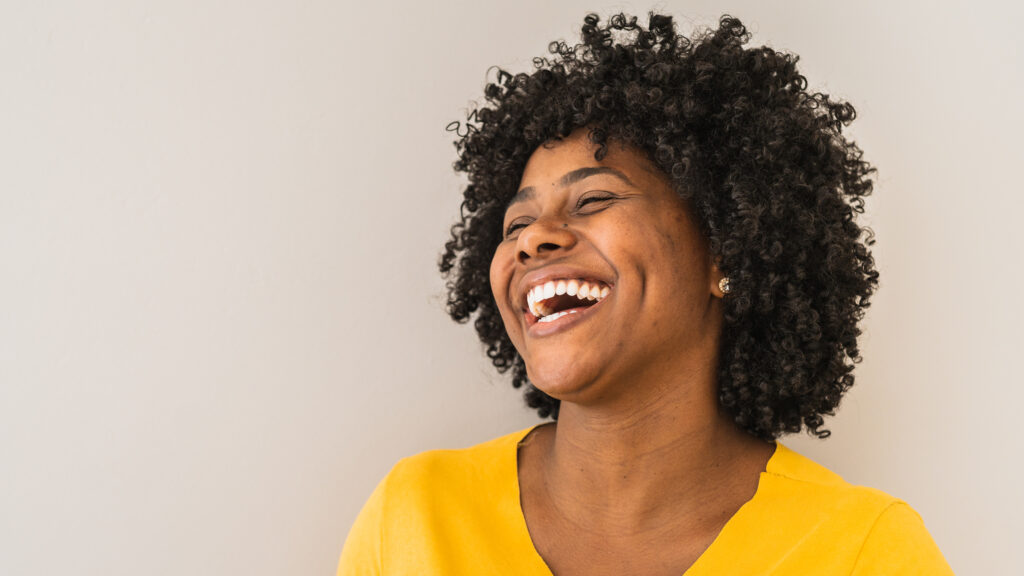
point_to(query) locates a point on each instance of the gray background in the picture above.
(220, 318)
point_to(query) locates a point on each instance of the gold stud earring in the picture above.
(723, 285)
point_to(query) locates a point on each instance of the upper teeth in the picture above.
(582, 289)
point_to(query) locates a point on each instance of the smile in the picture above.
(557, 298)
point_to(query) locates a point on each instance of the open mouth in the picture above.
(557, 298)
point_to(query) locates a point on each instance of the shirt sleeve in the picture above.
(900, 544)
(362, 553)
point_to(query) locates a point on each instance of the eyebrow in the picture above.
(571, 178)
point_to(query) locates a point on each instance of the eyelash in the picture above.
(593, 197)
(579, 204)
(513, 227)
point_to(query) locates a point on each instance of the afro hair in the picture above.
(760, 160)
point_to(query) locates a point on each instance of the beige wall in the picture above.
(220, 321)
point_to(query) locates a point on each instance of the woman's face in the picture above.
(603, 277)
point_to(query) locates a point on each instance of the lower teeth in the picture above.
(556, 316)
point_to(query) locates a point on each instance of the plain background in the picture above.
(220, 317)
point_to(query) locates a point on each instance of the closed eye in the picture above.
(514, 226)
(595, 200)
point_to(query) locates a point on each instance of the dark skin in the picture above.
(642, 470)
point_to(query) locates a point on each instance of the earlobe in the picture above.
(724, 286)
(722, 283)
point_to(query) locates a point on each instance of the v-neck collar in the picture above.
(707, 558)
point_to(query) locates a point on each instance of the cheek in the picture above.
(502, 268)
(500, 276)
(673, 259)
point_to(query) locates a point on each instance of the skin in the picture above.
(642, 470)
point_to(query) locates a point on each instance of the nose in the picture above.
(543, 238)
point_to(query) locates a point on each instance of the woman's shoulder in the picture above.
(863, 529)
(792, 476)
(458, 477)
(433, 499)
(482, 461)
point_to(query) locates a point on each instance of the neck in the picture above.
(639, 467)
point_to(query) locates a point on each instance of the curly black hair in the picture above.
(762, 163)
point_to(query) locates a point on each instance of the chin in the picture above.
(561, 381)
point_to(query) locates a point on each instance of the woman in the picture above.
(658, 240)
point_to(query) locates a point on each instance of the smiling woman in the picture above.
(615, 227)
(658, 240)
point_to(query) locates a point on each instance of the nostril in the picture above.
(525, 255)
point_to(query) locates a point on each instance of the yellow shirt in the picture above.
(457, 512)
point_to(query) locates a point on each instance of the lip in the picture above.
(535, 328)
(559, 272)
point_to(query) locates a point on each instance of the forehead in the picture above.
(552, 160)
(561, 163)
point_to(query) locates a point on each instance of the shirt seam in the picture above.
(806, 481)
(874, 525)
